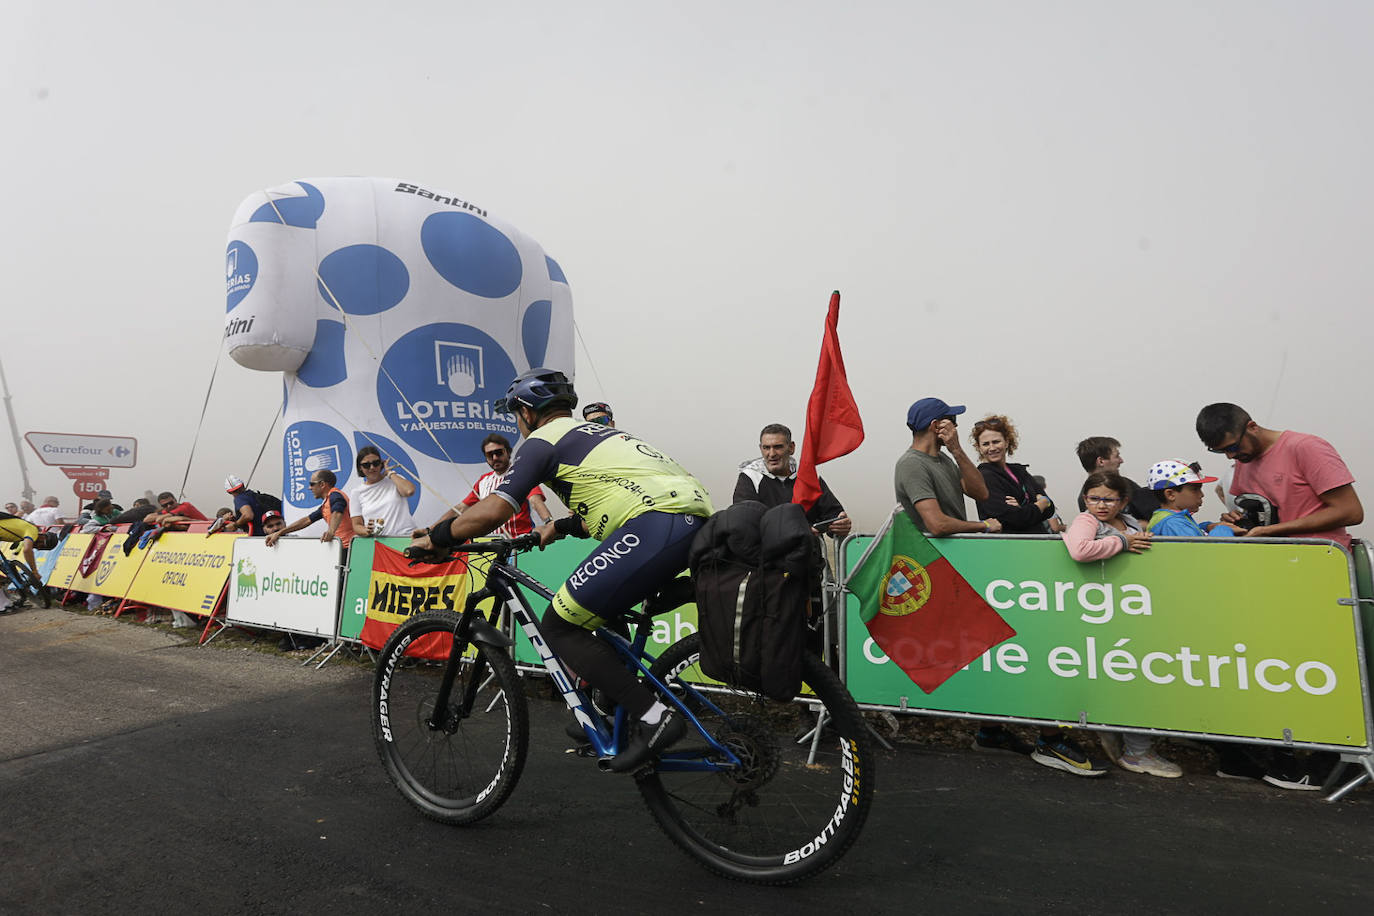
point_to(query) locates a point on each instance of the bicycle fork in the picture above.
(472, 628)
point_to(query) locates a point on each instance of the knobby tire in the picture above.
(464, 771)
(780, 819)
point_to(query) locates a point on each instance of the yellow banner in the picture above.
(115, 573)
(185, 572)
(73, 549)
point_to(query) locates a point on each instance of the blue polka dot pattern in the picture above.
(301, 212)
(365, 279)
(471, 254)
(534, 331)
(555, 272)
(324, 365)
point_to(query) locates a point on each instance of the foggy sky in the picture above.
(1093, 217)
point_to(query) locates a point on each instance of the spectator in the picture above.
(333, 509)
(1103, 453)
(1311, 493)
(1104, 531)
(25, 507)
(931, 486)
(770, 479)
(102, 513)
(272, 522)
(496, 449)
(598, 412)
(1178, 487)
(12, 509)
(48, 514)
(138, 512)
(246, 512)
(1015, 498)
(1300, 475)
(173, 515)
(379, 501)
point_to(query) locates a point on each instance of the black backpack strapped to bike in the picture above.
(755, 571)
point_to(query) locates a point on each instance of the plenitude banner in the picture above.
(183, 571)
(1225, 637)
(293, 585)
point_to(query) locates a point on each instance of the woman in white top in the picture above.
(379, 501)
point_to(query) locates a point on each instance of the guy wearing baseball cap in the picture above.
(1178, 487)
(931, 486)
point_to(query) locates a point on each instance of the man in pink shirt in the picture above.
(1301, 475)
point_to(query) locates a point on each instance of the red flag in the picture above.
(397, 590)
(833, 427)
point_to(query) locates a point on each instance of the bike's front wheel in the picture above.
(797, 803)
(460, 766)
(29, 585)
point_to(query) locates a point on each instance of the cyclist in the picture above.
(641, 505)
(14, 530)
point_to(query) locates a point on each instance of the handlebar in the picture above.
(521, 544)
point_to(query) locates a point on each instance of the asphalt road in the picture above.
(139, 773)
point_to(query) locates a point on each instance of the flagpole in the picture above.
(28, 492)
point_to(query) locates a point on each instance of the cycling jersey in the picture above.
(14, 529)
(602, 474)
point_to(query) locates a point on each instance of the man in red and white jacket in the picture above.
(497, 451)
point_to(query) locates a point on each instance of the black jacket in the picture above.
(756, 485)
(1026, 517)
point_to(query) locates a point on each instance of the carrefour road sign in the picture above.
(76, 450)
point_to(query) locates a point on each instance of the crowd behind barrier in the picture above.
(1278, 657)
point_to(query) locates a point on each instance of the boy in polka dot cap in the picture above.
(1178, 487)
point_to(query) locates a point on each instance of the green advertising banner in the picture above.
(1253, 640)
(552, 566)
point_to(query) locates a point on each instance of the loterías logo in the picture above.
(240, 272)
(436, 387)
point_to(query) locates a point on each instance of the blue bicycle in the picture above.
(21, 582)
(758, 790)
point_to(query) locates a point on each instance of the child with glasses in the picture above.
(1105, 530)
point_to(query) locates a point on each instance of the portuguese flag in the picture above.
(918, 609)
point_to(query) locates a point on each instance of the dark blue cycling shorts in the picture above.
(634, 562)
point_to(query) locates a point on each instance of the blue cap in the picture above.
(927, 410)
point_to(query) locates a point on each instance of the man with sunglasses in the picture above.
(173, 515)
(1301, 475)
(598, 412)
(497, 452)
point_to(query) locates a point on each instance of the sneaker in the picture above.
(998, 739)
(1111, 745)
(1151, 764)
(1286, 772)
(648, 741)
(1059, 752)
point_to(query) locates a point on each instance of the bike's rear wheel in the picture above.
(465, 769)
(782, 817)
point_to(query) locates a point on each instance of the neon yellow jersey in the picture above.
(602, 474)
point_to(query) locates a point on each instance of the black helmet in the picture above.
(538, 389)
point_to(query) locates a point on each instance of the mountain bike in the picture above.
(21, 581)
(754, 791)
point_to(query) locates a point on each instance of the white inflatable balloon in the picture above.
(398, 314)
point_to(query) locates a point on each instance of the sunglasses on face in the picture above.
(370, 464)
(167, 505)
(494, 453)
(1229, 449)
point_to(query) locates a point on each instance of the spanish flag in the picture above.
(398, 590)
(919, 610)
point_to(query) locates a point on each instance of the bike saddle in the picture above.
(675, 594)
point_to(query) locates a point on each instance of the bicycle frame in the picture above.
(502, 578)
(17, 581)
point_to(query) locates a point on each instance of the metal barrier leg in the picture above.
(332, 652)
(1366, 763)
